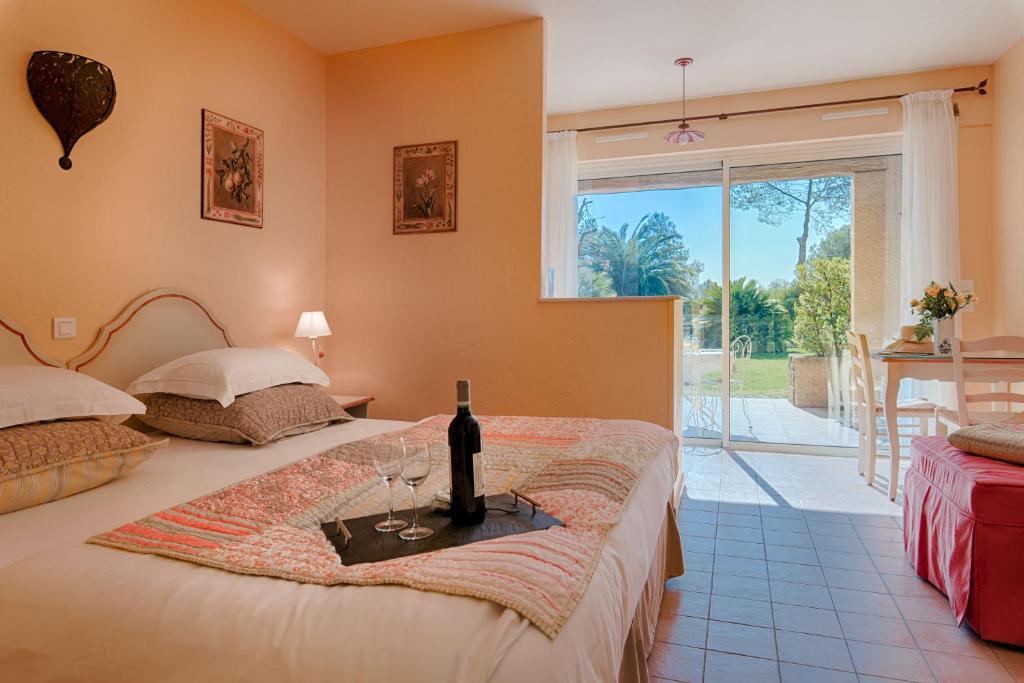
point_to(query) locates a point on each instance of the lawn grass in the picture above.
(763, 375)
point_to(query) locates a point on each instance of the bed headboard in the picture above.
(17, 348)
(156, 328)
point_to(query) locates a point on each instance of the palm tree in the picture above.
(649, 260)
(752, 312)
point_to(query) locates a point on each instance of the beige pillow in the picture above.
(258, 417)
(50, 460)
(999, 441)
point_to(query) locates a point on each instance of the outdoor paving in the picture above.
(796, 572)
(771, 420)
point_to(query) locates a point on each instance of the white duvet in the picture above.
(74, 611)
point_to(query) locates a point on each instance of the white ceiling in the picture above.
(610, 53)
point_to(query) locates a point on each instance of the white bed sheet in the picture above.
(74, 611)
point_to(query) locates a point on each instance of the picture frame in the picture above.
(232, 171)
(425, 187)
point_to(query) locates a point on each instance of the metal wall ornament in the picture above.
(73, 93)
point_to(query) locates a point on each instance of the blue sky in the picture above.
(762, 252)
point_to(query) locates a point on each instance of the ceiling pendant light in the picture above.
(684, 134)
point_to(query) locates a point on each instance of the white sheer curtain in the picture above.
(929, 229)
(559, 233)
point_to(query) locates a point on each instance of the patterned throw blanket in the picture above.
(582, 471)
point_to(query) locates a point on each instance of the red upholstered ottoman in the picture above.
(964, 532)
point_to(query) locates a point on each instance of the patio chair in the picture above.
(868, 409)
(741, 347)
(977, 371)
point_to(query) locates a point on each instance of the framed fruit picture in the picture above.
(232, 179)
(424, 188)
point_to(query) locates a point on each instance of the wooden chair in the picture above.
(992, 371)
(869, 409)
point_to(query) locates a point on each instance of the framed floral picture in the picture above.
(425, 184)
(232, 187)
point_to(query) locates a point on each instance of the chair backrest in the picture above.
(986, 370)
(863, 380)
(742, 346)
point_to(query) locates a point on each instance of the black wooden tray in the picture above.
(369, 545)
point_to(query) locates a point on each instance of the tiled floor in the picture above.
(795, 572)
(772, 420)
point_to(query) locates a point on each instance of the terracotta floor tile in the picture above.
(681, 630)
(677, 663)
(741, 566)
(951, 668)
(863, 602)
(723, 667)
(822, 622)
(957, 640)
(874, 629)
(935, 608)
(801, 594)
(741, 639)
(741, 611)
(800, 673)
(813, 650)
(892, 662)
(687, 603)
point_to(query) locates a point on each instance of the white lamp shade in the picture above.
(312, 324)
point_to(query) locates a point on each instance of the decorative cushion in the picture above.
(50, 460)
(1000, 441)
(258, 417)
(224, 374)
(34, 393)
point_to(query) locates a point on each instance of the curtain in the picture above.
(929, 229)
(929, 232)
(559, 232)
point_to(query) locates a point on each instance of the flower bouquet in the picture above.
(937, 308)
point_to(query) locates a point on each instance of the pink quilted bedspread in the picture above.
(581, 470)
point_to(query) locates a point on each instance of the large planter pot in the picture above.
(808, 381)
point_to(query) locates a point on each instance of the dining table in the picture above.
(927, 366)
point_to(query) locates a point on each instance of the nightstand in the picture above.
(356, 406)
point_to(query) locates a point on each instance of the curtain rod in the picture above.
(980, 89)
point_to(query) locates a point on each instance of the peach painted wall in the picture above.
(413, 313)
(125, 218)
(974, 145)
(1008, 189)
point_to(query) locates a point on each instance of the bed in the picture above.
(73, 611)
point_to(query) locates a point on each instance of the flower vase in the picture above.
(945, 332)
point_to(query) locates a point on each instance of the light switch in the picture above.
(65, 328)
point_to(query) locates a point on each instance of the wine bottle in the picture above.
(467, 468)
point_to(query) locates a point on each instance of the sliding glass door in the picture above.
(812, 255)
(662, 234)
(774, 273)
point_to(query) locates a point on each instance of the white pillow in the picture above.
(223, 374)
(33, 393)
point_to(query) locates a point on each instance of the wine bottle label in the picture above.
(478, 475)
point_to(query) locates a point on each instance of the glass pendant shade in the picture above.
(684, 135)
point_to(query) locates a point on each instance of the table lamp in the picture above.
(313, 324)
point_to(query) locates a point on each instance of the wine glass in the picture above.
(415, 469)
(388, 462)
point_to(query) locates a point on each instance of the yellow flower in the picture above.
(932, 290)
(961, 300)
(914, 303)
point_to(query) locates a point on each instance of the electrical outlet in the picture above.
(65, 328)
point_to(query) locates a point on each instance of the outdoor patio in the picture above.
(770, 420)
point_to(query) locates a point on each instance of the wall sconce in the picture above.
(313, 324)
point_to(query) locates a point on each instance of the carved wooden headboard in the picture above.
(17, 348)
(156, 328)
